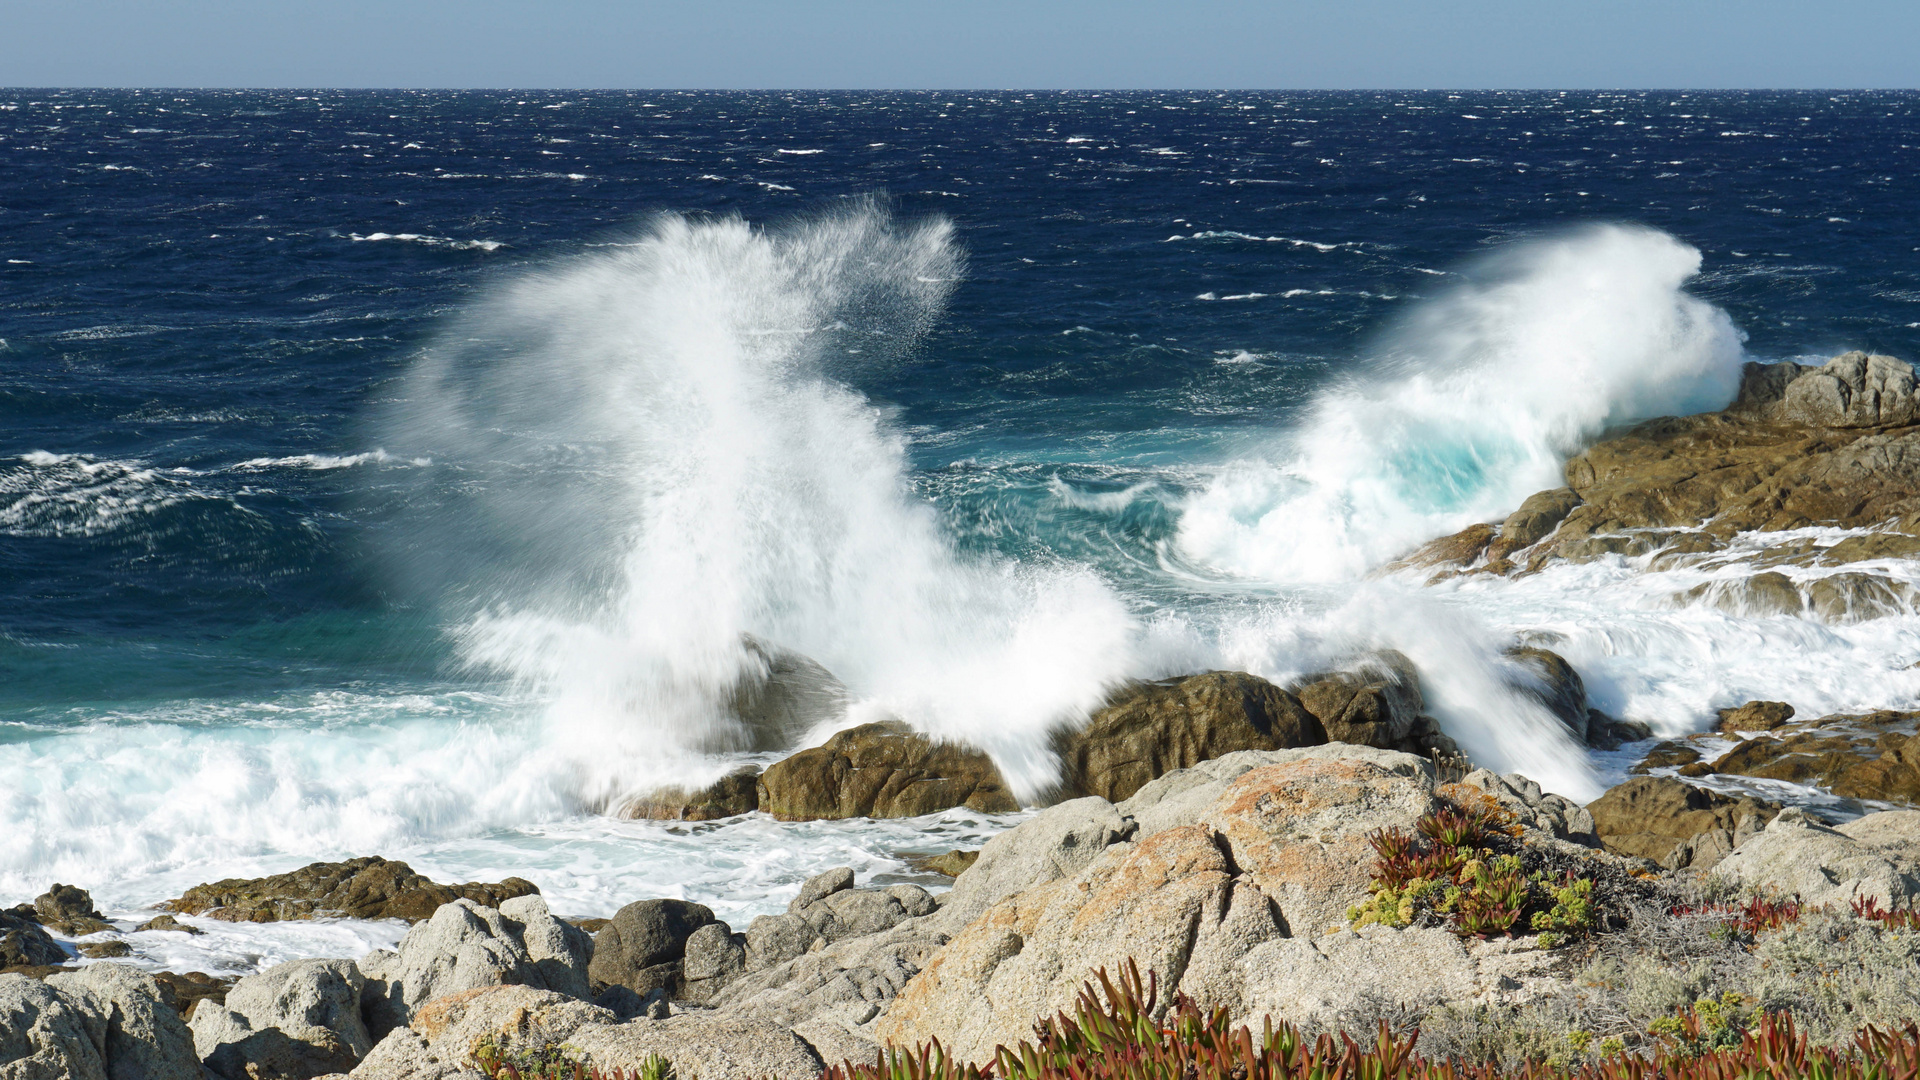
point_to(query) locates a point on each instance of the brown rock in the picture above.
(69, 909)
(169, 923)
(736, 793)
(952, 864)
(1559, 687)
(1667, 755)
(1754, 716)
(1149, 729)
(1880, 545)
(1675, 824)
(105, 950)
(1376, 704)
(884, 770)
(1760, 595)
(364, 888)
(186, 990)
(1537, 517)
(23, 943)
(1856, 597)
(1606, 733)
(1460, 549)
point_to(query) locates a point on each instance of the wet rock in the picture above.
(736, 793)
(1864, 547)
(291, 1022)
(105, 950)
(1606, 733)
(168, 923)
(952, 864)
(1757, 596)
(781, 695)
(1460, 549)
(365, 888)
(1147, 729)
(883, 770)
(1378, 703)
(1854, 597)
(466, 946)
(1537, 517)
(1753, 716)
(44, 1033)
(641, 949)
(69, 909)
(1877, 857)
(1676, 824)
(24, 943)
(1555, 685)
(1666, 755)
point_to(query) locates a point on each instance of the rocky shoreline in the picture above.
(1321, 852)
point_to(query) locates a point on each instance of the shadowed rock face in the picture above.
(1149, 729)
(738, 792)
(366, 888)
(884, 770)
(1375, 704)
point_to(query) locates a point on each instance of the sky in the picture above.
(962, 44)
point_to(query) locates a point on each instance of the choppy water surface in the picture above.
(422, 473)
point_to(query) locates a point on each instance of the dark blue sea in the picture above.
(427, 474)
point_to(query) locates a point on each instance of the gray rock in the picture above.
(837, 988)
(642, 947)
(517, 1021)
(715, 956)
(821, 886)
(466, 946)
(1868, 858)
(300, 1018)
(144, 1035)
(711, 1047)
(1555, 815)
(854, 913)
(45, 1035)
(914, 900)
(775, 939)
(1853, 390)
(1055, 843)
(1180, 798)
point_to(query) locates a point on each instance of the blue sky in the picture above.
(961, 43)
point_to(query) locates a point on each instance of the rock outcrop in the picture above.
(43, 1033)
(1278, 850)
(23, 943)
(1832, 446)
(465, 946)
(643, 946)
(1875, 857)
(736, 793)
(1676, 824)
(1149, 729)
(516, 1023)
(882, 770)
(139, 1033)
(365, 888)
(293, 1021)
(69, 909)
(1377, 703)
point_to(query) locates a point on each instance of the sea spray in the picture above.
(1472, 403)
(656, 477)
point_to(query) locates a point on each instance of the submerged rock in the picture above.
(882, 770)
(364, 888)
(1152, 728)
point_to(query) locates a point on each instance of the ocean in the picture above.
(418, 473)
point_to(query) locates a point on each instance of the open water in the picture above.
(421, 474)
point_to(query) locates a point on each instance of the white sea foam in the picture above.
(686, 475)
(74, 495)
(431, 241)
(323, 462)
